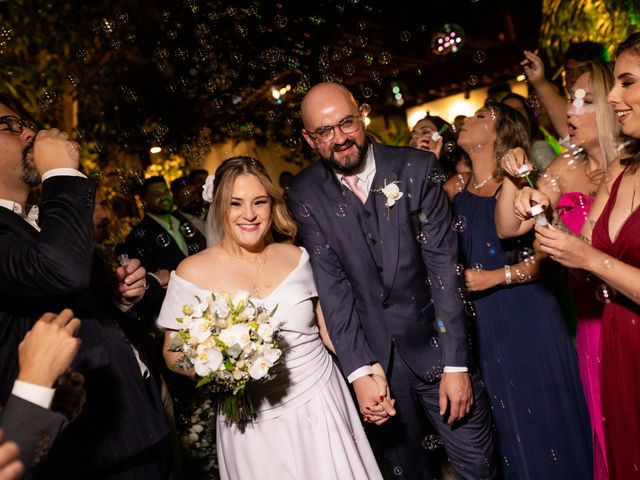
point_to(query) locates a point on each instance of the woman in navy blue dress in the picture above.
(525, 354)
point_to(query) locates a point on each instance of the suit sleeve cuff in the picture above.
(360, 372)
(455, 369)
(41, 396)
(56, 172)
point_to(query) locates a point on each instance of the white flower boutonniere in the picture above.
(391, 194)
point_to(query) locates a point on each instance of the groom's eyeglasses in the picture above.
(14, 124)
(347, 125)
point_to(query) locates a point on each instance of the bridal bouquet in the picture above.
(229, 340)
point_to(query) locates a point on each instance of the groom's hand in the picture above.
(374, 405)
(455, 391)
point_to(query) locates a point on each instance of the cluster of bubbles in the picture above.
(436, 175)
(5, 38)
(448, 40)
(46, 99)
(433, 374)
(459, 223)
(431, 442)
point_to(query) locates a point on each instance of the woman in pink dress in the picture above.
(615, 259)
(569, 185)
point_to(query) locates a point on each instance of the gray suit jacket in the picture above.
(32, 427)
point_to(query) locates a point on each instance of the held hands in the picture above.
(132, 282)
(53, 149)
(533, 68)
(455, 393)
(48, 349)
(372, 393)
(11, 468)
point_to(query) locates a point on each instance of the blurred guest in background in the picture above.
(190, 205)
(161, 240)
(555, 102)
(540, 152)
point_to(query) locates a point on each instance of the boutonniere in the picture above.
(391, 194)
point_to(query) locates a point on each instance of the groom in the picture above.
(384, 260)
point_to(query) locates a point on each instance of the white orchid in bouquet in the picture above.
(229, 341)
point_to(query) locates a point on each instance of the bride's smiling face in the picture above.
(249, 212)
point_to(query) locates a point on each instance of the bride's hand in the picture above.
(372, 401)
(382, 415)
(381, 379)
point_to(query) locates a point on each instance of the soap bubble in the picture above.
(163, 240)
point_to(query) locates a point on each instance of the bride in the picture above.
(306, 425)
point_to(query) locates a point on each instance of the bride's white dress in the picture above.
(307, 426)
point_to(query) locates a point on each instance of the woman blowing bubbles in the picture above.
(306, 425)
(613, 229)
(525, 354)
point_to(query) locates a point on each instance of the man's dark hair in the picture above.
(151, 181)
(587, 52)
(15, 105)
(197, 171)
(178, 184)
(496, 92)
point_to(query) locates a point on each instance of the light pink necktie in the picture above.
(352, 181)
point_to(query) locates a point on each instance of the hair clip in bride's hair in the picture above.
(207, 189)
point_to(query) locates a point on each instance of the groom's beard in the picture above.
(350, 164)
(30, 175)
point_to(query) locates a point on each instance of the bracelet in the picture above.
(507, 274)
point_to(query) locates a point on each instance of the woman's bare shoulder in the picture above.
(286, 252)
(191, 268)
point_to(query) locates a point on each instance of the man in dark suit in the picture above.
(163, 238)
(45, 355)
(190, 204)
(121, 430)
(377, 225)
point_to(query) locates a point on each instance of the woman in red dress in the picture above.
(613, 229)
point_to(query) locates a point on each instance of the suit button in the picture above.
(379, 269)
(385, 305)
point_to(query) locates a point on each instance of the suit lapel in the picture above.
(387, 170)
(352, 230)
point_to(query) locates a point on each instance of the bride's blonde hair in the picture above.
(225, 177)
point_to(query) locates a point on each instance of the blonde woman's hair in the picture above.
(225, 177)
(601, 80)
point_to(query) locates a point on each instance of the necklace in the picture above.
(257, 283)
(260, 263)
(478, 186)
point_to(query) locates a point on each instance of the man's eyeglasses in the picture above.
(14, 124)
(347, 125)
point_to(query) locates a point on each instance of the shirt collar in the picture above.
(11, 205)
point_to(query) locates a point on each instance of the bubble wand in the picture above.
(438, 135)
(536, 210)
